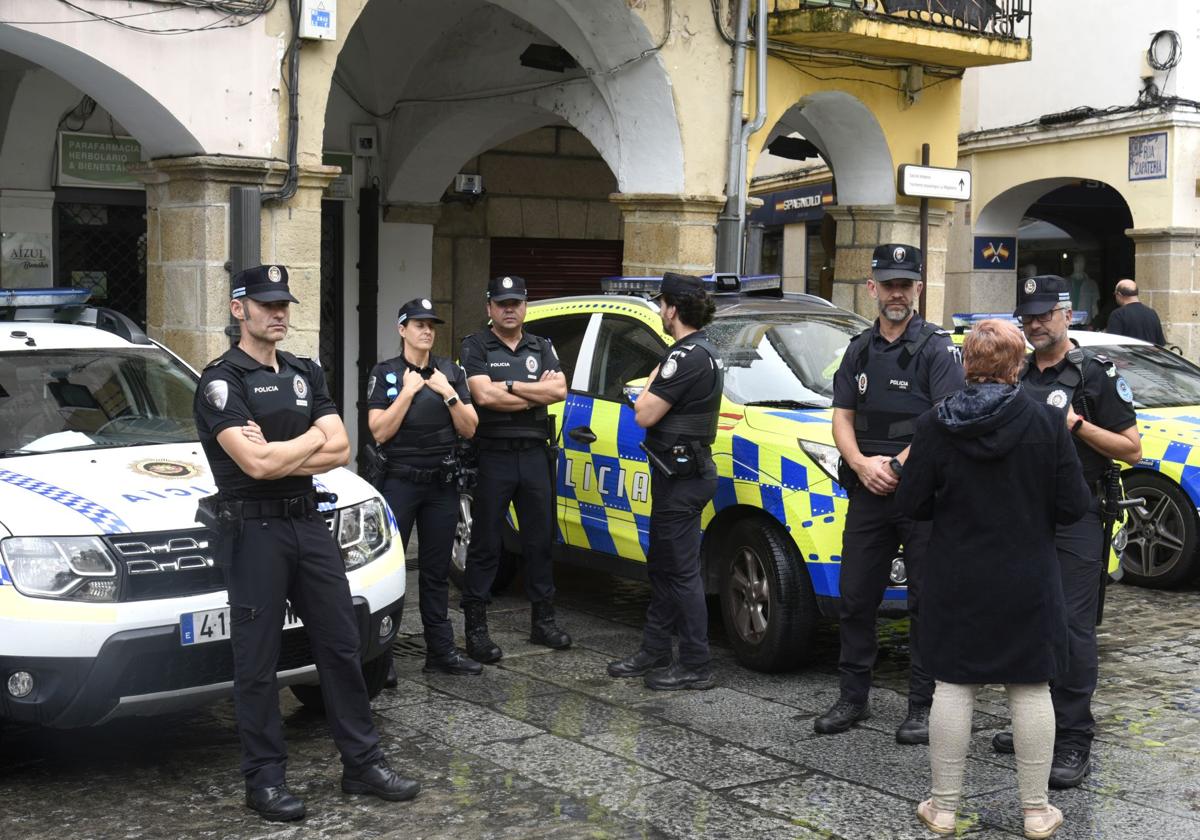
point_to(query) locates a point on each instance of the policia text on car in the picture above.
(1098, 409)
(889, 375)
(513, 375)
(267, 425)
(418, 407)
(679, 410)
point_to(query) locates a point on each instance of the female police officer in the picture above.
(418, 405)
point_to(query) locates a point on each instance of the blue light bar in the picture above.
(713, 283)
(968, 319)
(43, 297)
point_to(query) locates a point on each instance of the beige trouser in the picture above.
(950, 737)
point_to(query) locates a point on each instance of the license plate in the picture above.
(199, 628)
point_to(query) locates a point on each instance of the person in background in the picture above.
(1132, 317)
(418, 406)
(996, 472)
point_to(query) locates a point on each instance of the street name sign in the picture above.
(934, 182)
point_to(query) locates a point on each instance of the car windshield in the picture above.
(785, 360)
(51, 400)
(1157, 377)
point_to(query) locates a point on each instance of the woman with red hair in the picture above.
(996, 472)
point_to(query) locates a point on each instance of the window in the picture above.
(625, 350)
(566, 333)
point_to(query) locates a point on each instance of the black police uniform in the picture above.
(1101, 396)
(422, 485)
(690, 378)
(516, 465)
(888, 385)
(283, 553)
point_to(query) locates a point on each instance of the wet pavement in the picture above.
(547, 746)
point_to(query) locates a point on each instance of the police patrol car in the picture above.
(773, 533)
(109, 601)
(1158, 541)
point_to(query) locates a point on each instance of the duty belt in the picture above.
(296, 508)
(419, 475)
(515, 443)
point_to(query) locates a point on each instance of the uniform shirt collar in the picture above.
(1032, 366)
(240, 358)
(527, 340)
(911, 332)
(425, 372)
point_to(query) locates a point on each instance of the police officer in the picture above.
(889, 375)
(1097, 407)
(267, 425)
(513, 375)
(678, 409)
(417, 407)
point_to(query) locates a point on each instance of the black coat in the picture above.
(996, 471)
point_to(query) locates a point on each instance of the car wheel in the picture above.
(374, 675)
(1160, 547)
(509, 561)
(767, 599)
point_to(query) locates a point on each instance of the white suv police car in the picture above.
(109, 601)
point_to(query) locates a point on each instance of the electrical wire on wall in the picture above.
(235, 13)
(290, 182)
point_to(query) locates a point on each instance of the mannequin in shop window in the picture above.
(1085, 294)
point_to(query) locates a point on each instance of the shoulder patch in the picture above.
(1123, 390)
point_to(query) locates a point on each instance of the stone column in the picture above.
(1166, 262)
(187, 248)
(668, 232)
(860, 229)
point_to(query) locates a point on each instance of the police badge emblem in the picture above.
(1058, 398)
(899, 255)
(217, 393)
(426, 304)
(506, 282)
(862, 383)
(299, 386)
(274, 274)
(1123, 390)
(668, 369)
(1030, 286)
(531, 364)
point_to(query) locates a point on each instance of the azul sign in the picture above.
(1148, 156)
(995, 253)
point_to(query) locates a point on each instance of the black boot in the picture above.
(915, 728)
(639, 664)
(543, 629)
(841, 716)
(1069, 768)
(453, 662)
(379, 780)
(277, 804)
(391, 680)
(1002, 742)
(480, 646)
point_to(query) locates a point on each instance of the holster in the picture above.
(657, 461)
(223, 524)
(847, 477)
(373, 464)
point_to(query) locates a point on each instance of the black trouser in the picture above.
(277, 560)
(520, 477)
(434, 510)
(872, 539)
(673, 566)
(1079, 546)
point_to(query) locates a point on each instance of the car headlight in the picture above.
(825, 456)
(363, 534)
(67, 568)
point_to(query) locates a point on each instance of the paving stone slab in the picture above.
(493, 686)
(459, 723)
(731, 715)
(576, 716)
(583, 671)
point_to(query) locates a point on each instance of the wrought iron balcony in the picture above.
(973, 32)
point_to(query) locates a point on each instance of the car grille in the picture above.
(207, 664)
(166, 564)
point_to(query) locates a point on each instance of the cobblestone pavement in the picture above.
(547, 746)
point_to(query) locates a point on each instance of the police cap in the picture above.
(264, 283)
(676, 285)
(896, 262)
(1038, 295)
(506, 287)
(418, 309)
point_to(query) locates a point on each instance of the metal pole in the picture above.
(924, 235)
(760, 116)
(728, 248)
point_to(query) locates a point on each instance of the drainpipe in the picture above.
(731, 224)
(288, 189)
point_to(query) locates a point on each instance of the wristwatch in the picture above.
(451, 400)
(508, 383)
(897, 466)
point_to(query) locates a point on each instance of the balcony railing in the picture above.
(1010, 19)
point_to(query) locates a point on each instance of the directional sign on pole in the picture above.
(934, 182)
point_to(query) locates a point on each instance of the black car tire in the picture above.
(1161, 549)
(374, 675)
(509, 560)
(767, 599)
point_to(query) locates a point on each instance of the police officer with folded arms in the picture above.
(889, 376)
(418, 405)
(267, 425)
(1097, 406)
(678, 409)
(513, 375)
